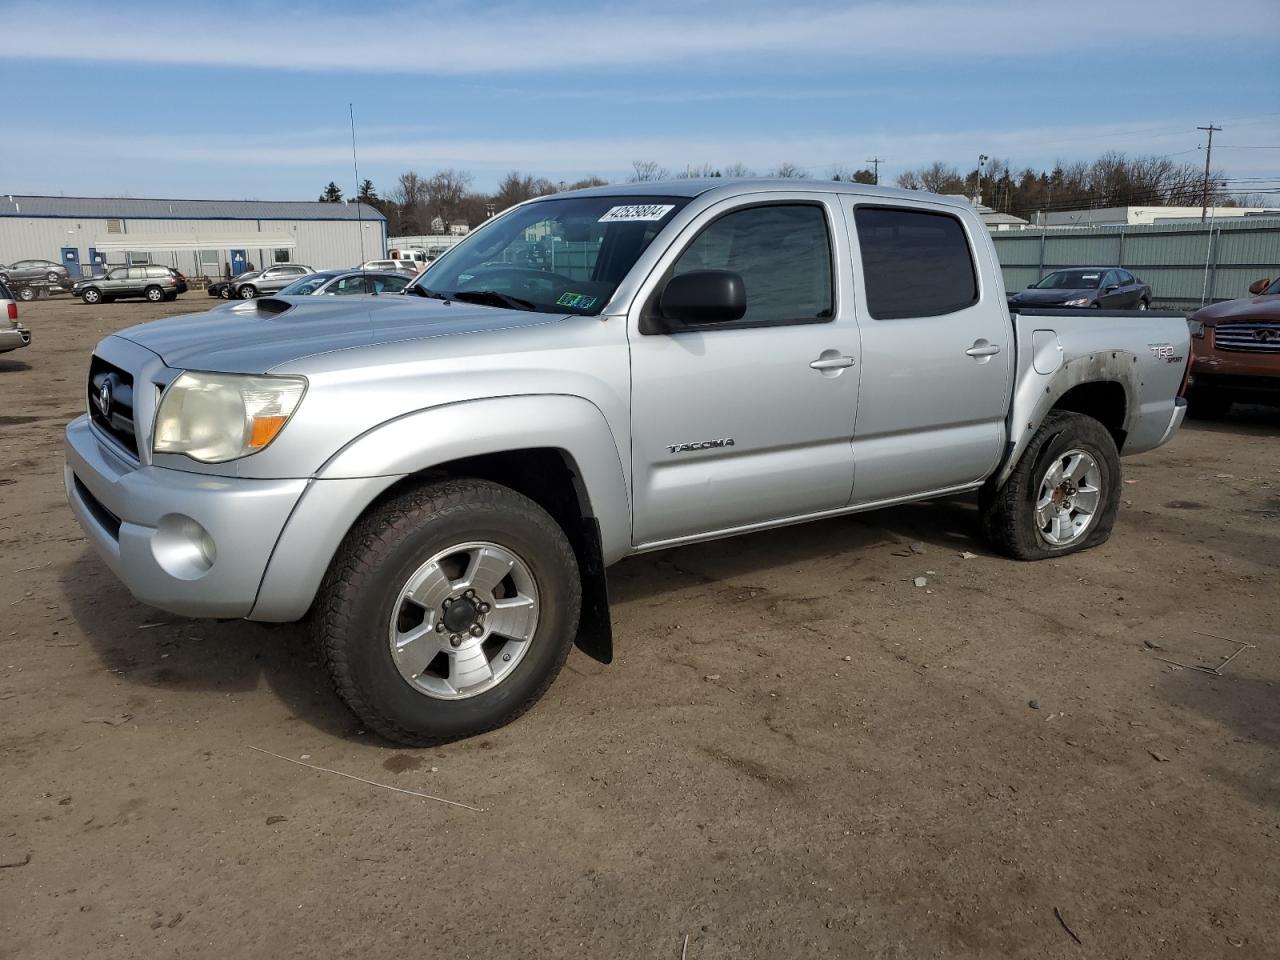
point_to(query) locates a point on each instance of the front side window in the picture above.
(348, 285)
(915, 263)
(783, 254)
(558, 255)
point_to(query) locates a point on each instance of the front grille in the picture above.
(110, 385)
(1252, 337)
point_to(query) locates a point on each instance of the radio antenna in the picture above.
(355, 171)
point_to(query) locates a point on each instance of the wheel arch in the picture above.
(1103, 385)
(557, 450)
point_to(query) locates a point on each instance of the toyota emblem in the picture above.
(104, 399)
(1267, 335)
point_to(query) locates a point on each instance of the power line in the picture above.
(875, 169)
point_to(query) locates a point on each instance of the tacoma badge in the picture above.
(700, 445)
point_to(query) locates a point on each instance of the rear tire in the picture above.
(396, 659)
(1033, 516)
(154, 294)
(27, 293)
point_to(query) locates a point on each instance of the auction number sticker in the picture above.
(637, 213)
(579, 300)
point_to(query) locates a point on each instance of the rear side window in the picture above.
(783, 254)
(914, 263)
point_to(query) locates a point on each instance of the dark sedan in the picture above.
(1109, 288)
(346, 283)
(225, 289)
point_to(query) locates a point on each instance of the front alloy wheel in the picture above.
(463, 620)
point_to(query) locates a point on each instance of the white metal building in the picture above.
(199, 237)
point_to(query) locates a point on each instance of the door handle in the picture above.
(981, 348)
(831, 363)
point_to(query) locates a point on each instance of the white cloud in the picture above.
(445, 39)
(818, 152)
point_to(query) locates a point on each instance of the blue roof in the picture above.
(129, 208)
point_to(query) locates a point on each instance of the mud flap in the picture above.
(595, 629)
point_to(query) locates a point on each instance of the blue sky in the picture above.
(249, 100)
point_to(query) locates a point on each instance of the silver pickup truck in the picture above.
(440, 479)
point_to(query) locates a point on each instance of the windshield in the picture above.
(1071, 280)
(307, 285)
(558, 255)
(1274, 288)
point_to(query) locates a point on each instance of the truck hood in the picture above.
(253, 336)
(1246, 308)
(1029, 297)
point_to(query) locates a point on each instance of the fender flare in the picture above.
(1038, 393)
(357, 474)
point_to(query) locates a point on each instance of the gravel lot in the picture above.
(797, 753)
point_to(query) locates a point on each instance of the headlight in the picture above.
(1196, 327)
(1077, 302)
(215, 417)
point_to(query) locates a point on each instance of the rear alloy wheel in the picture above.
(52, 277)
(1063, 494)
(154, 294)
(248, 291)
(27, 293)
(448, 611)
(92, 295)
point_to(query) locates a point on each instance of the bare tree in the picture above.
(588, 181)
(446, 190)
(789, 171)
(738, 170)
(699, 171)
(645, 171)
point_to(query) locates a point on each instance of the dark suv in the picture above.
(149, 281)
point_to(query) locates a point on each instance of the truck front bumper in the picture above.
(189, 543)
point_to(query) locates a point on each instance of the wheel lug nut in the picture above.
(455, 641)
(484, 608)
(470, 594)
(440, 627)
(476, 629)
(449, 602)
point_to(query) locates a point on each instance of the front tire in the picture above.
(1144, 305)
(248, 292)
(1063, 494)
(91, 296)
(390, 613)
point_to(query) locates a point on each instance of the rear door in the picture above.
(937, 352)
(732, 424)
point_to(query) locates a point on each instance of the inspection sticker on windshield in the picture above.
(579, 300)
(638, 213)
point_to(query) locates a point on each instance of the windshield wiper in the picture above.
(424, 292)
(494, 299)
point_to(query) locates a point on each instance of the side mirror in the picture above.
(1258, 286)
(704, 296)
(1031, 286)
(1112, 286)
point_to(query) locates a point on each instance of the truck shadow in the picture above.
(150, 649)
(1243, 420)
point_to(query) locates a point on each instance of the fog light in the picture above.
(182, 547)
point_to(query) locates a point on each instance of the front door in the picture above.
(741, 423)
(71, 260)
(937, 353)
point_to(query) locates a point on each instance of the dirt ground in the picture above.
(797, 753)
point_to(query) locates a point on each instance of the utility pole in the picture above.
(982, 158)
(875, 168)
(1208, 156)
